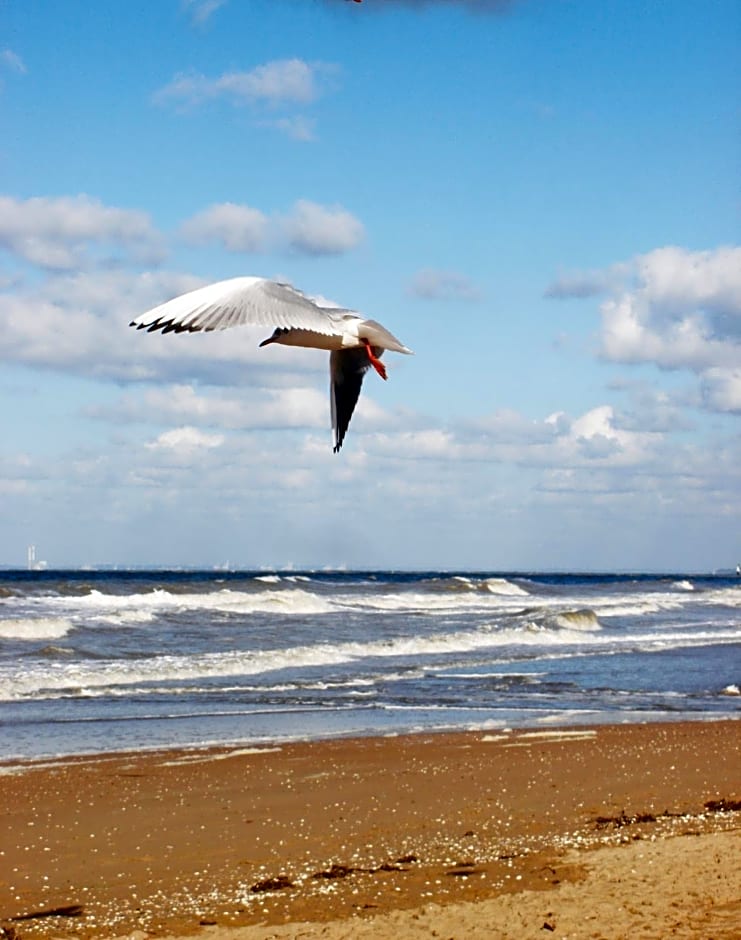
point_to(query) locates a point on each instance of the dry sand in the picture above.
(607, 832)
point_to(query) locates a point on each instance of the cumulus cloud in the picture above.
(682, 311)
(434, 284)
(596, 436)
(721, 390)
(653, 409)
(322, 230)
(308, 228)
(675, 308)
(599, 437)
(74, 317)
(59, 233)
(242, 409)
(74, 232)
(239, 228)
(281, 82)
(77, 323)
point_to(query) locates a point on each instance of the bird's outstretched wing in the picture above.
(240, 301)
(346, 370)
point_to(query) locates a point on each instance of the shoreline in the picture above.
(237, 840)
(16, 763)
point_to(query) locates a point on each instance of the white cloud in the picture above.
(654, 409)
(322, 230)
(597, 438)
(675, 308)
(239, 228)
(241, 409)
(185, 441)
(683, 311)
(433, 284)
(309, 228)
(78, 323)
(721, 390)
(283, 81)
(64, 232)
(275, 86)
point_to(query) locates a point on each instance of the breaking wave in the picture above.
(41, 628)
(585, 619)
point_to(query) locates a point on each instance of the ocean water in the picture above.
(106, 661)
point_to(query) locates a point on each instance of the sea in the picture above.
(105, 661)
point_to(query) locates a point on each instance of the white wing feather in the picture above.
(240, 301)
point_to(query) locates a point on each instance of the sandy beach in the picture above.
(608, 831)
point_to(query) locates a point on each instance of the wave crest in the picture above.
(35, 628)
(503, 586)
(583, 619)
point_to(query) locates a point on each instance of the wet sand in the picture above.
(610, 831)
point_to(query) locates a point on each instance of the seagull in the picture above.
(354, 343)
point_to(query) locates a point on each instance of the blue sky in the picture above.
(540, 197)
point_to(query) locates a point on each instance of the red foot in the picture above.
(375, 361)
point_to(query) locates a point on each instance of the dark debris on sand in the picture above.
(272, 884)
(69, 910)
(723, 806)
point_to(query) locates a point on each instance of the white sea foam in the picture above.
(102, 606)
(730, 597)
(652, 602)
(283, 596)
(198, 758)
(40, 628)
(528, 738)
(637, 609)
(683, 585)
(82, 678)
(429, 603)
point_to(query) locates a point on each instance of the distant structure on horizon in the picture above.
(31, 562)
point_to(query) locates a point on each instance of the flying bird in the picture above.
(354, 343)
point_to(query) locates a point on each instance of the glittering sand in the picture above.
(616, 831)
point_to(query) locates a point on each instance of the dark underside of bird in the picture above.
(355, 344)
